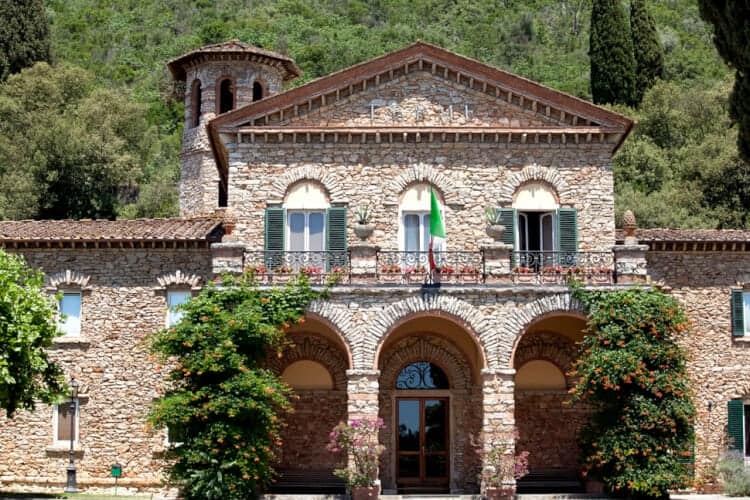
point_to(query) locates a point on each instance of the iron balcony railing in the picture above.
(413, 268)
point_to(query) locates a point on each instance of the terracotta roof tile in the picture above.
(719, 235)
(177, 65)
(175, 229)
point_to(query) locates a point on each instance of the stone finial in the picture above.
(629, 225)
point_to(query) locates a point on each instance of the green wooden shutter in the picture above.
(567, 236)
(508, 219)
(274, 237)
(738, 314)
(336, 236)
(735, 418)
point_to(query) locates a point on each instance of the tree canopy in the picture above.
(611, 52)
(647, 49)
(24, 35)
(26, 331)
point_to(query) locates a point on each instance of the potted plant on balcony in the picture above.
(469, 274)
(362, 227)
(390, 273)
(495, 227)
(600, 275)
(258, 272)
(357, 441)
(282, 274)
(313, 273)
(502, 465)
(523, 274)
(416, 274)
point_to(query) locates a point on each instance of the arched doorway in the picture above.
(314, 365)
(548, 426)
(431, 401)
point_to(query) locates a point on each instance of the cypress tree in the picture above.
(732, 38)
(648, 52)
(611, 53)
(24, 35)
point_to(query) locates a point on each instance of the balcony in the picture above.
(386, 267)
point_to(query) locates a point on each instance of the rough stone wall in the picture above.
(198, 172)
(471, 178)
(718, 364)
(421, 98)
(120, 307)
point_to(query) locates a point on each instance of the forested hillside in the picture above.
(679, 168)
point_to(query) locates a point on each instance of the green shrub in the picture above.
(734, 475)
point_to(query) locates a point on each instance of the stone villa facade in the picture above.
(272, 180)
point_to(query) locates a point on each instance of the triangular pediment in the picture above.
(422, 85)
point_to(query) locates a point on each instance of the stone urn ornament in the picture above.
(495, 228)
(362, 227)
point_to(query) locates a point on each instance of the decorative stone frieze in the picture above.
(535, 173)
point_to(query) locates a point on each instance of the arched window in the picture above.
(422, 375)
(536, 207)
(308, 375)
(540, 375)
(226, 95)
(414, 218)
(195, 102)
(257, 91)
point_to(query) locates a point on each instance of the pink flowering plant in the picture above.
(359, 440)
(502, 462)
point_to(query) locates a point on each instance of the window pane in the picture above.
(523, 229)
(425, 232)
(746, 301)
(317, 236)
(70, 313)
(411, 232)
(64, 416)
(174, 299)
(296, 232)
(547, 244)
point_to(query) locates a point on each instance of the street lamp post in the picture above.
(70, 486)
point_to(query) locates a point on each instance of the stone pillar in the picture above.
(362, 391)
(630, 257)
(363, 262)
(497, 262)
(498, 407)
(227, 258)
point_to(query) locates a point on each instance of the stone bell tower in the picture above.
(218, 79)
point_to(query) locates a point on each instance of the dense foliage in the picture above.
(24, 35)
(69, 148)
(647, 49)
(26, 331)
(732, 37)
(611, 51)
(632, 372)
(224, 406)
(735, 476)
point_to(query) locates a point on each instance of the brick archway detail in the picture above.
(512, 329)
(291, 176)
(68, 278)
(423, 172)
(340, 321)
(425, 348)
(467, 316)
(533, 173)
(310, 347)
(557, 349)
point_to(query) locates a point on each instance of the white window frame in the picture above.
(60, 322)
(56, 423)
(746, 312)
(521, 216)
(167, 321)
(306, 213)
(424, 228)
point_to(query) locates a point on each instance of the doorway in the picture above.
(423, 462)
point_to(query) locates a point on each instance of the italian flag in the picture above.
(437, 232)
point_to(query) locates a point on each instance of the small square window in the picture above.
(65, 416)
(175, 436)
(176, 298)
(69, 320)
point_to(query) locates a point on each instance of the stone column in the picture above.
(362, 390)
(498, 407)
(227, 257)
(497, 262)
(363, 262)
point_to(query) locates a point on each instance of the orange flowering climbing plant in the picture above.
(632, 371)
(221, 401)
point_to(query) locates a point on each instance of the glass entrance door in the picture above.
(422, 448)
